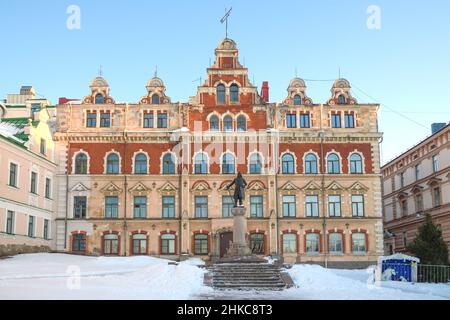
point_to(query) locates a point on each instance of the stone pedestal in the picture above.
(239, 247)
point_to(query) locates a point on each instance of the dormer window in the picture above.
(234, 93)
(155, 99)
(99, 99)
(297, 100)
(341, 99)
(220, 91)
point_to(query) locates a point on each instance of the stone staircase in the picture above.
(247, 276)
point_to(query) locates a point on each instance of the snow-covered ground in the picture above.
(55, 276)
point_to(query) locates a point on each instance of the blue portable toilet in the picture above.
(398, 267)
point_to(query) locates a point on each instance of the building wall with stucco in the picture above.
(189, 132)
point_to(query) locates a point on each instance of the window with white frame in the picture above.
(334, 205)
(312, 206)
(288, 164)
(312, 243)
(310, 164)
(356, 165)
(335, 243)
(81, 163)
(289, 243)
(359, 243)
(256, 207)
(358, 205)
(289, 206)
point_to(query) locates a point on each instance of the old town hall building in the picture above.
(149, 178)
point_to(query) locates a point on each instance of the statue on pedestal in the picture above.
(239, 191)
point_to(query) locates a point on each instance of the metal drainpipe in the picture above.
(180, 200)
(67, 184)
(67, 205)
(125, 227)
(276, 155)
(322, 187)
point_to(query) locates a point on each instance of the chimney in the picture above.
(265, 91)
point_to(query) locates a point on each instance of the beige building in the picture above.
(416, 183)
(27, 175)
(150, 177)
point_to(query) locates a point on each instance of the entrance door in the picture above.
(225, 239)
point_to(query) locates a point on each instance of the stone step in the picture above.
(252, 286)
(243, 281)
(274, 277)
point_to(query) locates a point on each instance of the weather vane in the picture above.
(225, 19)
(100, 71)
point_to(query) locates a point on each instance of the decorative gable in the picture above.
(311, 186)
(289, 186)
(168, 188)
(79, 187)
(201, 186)
(417, 189)
(334, 186)
(223, 186)
(256, 186)
(111, 190)
(139, 189)
(358, 187)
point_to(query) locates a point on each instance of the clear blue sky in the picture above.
(404, 65)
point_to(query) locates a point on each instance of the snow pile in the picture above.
(60, 276)
(316, 282)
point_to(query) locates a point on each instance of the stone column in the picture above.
(240, 225)
(239, 247)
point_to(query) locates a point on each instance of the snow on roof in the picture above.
(10, 131)
(398, 256)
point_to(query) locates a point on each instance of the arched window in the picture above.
(112, 164)
(81, 161)
(336, 243)
(155, 99)
(234, 93)
(356, 164)
(288, 164)
(255, 164)
(257, 243)
(111, 244)
(310, 164)
(333, 164)
(168, 244)
(99, 99)
(220, 92)
(359, 243)
(79, 243)
(341, 99)
(228, 123)
(289, 243)
(241, 123)
(139, 243)
(201, 244)
(297, 100)
(214, 123)
(312, 243)
(201, 164)
(168, 164)
(140, 164)
(228, 163)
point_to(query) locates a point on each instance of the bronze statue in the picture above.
(239, 191)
